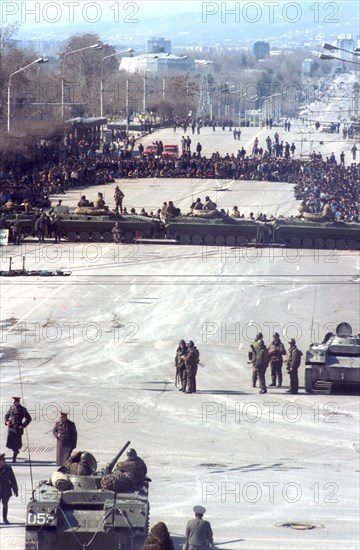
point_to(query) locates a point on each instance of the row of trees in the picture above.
(236, 83)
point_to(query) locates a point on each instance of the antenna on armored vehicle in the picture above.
(27, 436)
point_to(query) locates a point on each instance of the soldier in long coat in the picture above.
(65, 433)
(292, 365)
(17, 419)
(261, 364)
(180, 365)
(192, 361)
(8, 486)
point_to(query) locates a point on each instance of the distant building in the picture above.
(261, 50)
(307, 67)
(158, 45)
(346, 42)
(162, 64)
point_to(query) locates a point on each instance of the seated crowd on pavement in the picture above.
(317, 180)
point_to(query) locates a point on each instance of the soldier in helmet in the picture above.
(79, 464)
(252, 356)
(135, 467)
(261, 364)
(158, 538)
(99, 201)
(292, 365)
(276, 351)
(192, 359)
(199, 535)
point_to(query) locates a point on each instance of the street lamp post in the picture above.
(39, 60)
(129, 50)
(92, 47)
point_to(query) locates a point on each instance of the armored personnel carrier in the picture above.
(308, 233)
(77, 513)
(92, 224)
(336, 360)
(213, 227)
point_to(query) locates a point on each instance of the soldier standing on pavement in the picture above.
(180, 364)
(118, 197)
(192, 361)
(292, 365)
(16, 419)
(199, 535)
(261, 364)
(276, 351)
(7, 485)
(65, 433)
(252, 356)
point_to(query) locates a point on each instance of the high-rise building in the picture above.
(158, 45)
(261, 50)
(346, 42)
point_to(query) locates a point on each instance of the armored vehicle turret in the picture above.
(73, 512)
(336, 360)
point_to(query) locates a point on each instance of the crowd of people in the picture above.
(316, 180)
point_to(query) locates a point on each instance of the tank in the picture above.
(80, 514)
(303, 233)
(212, 227)
(336, 360)
(86, 224)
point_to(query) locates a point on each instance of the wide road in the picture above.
(101, 343)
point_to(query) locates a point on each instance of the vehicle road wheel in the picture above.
(308, 381)
(209, 239)
(96, 236)
(307, 242)
(319, 243)
(72, 237)
(107, 237)
(241, 240)
(184, 238)
(197, 239)
(330, 244)
(230, 240)
(220, 240)
(171, 234)
(128, 237)
(340, 244)
(295, 242)
(352, 244)
(84, 236)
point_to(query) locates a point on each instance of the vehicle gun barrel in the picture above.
(110, 466)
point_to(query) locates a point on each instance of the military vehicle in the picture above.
(92, 224)
(83, 515)
(336, 360)
(213, 227)
(307, 233)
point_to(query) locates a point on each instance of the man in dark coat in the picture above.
(17, 419)
(158, 539)
(7, 485)
(276, 351)
(66, 435)
(135, 467)
(261, 364)
(292, 365)
(180, 365)
(192, 361)
(199, 535)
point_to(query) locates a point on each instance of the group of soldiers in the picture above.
(187, 359)
(261, 357)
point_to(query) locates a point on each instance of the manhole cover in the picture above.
(300, 526)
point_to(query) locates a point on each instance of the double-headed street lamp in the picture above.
(39, 60)
(327, 56)
(330, 47)
(92, 47)
(129, 50)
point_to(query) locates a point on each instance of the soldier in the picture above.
(192, 359)
(276, 351)
(55, 224)
(7, 485)
(99, 201)
(292, 364)
(135, 467)
(180, 364)
(252, 356)
(199, 535)
(261, 364)
(118, 197)
(65, 433)
(40, 227)
(17, 418)
(79, 464)
(83, 202)
(16, 230)
(116, 233)
(158, 539)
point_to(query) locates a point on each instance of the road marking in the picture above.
(258, 301)
(289, 306)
